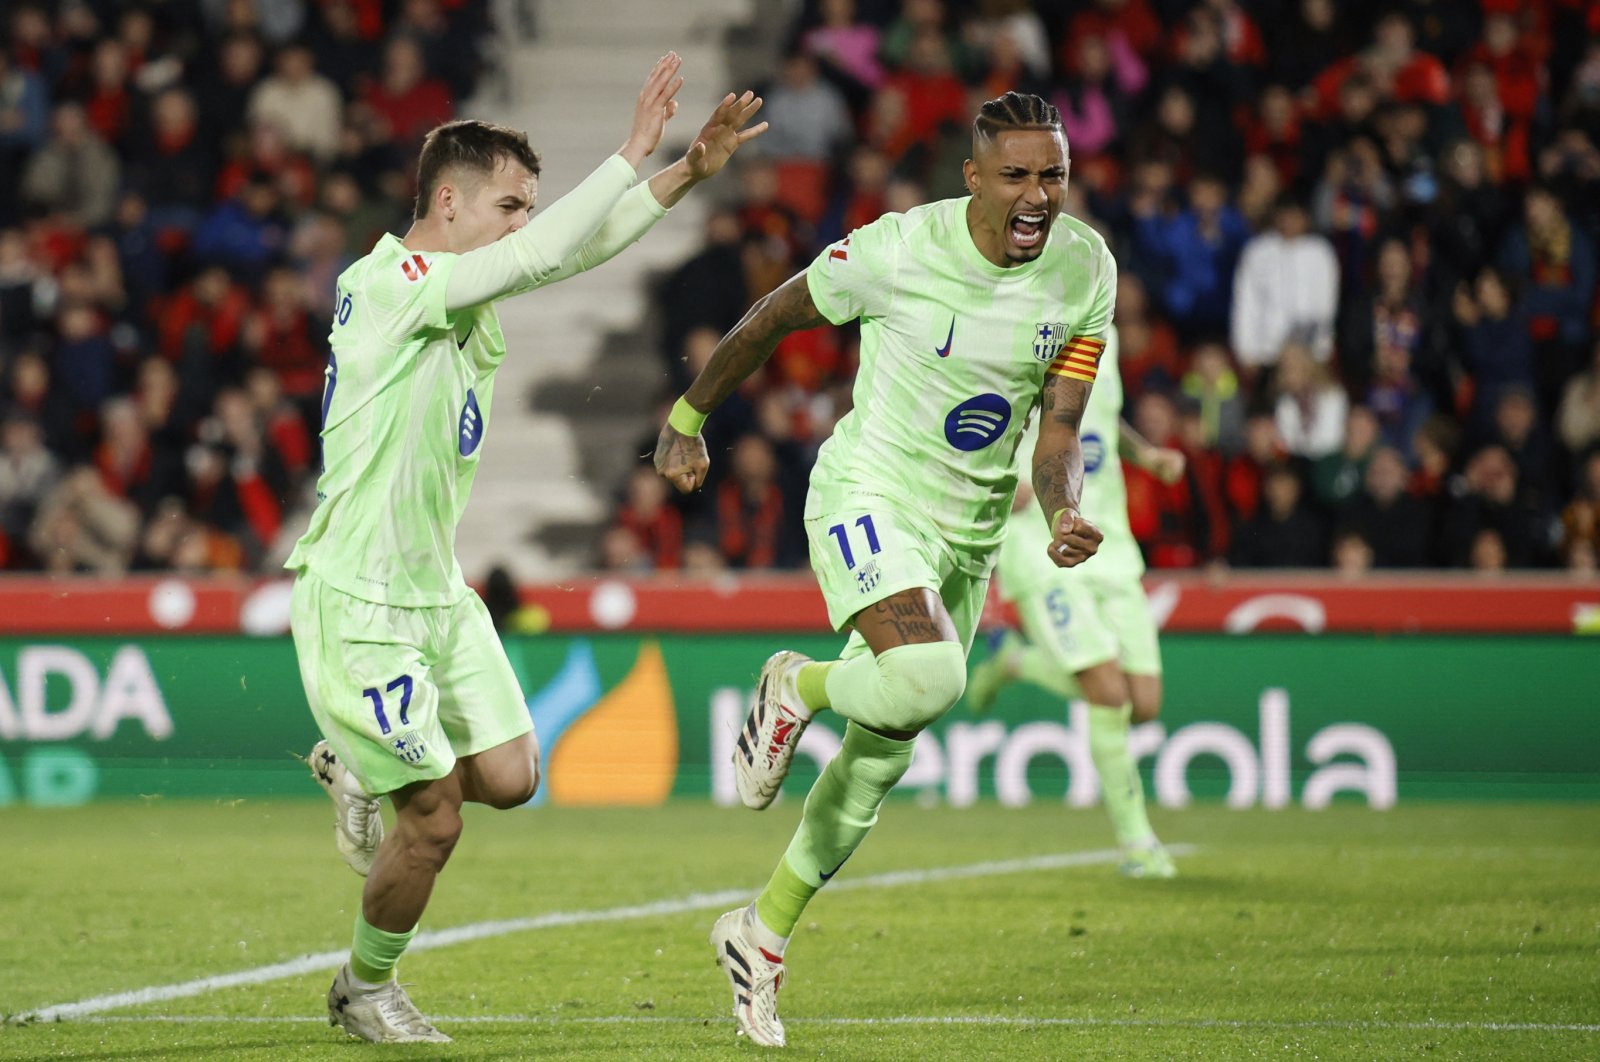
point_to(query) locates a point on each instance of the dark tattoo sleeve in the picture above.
(1057, 459)
(747, 347)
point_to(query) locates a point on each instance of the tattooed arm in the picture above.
(1058, 471)
(682, 459)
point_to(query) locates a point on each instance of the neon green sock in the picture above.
(813, 684)
(1120, 784)
(375, 952)
(1033, 664)
(841, 808)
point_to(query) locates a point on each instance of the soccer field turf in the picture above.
(1454, 931)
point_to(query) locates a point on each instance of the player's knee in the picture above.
(920, 684)
(1145, 693)
(517, 790)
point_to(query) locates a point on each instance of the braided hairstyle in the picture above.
(1014, 110)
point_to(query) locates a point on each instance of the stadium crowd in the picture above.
(180, 183)
(1357, 249)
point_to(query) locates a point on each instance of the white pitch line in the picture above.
(700, 901)
(913, 1020)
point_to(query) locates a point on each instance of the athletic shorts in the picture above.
(402, 693)
(1084, 622)
(865, 549)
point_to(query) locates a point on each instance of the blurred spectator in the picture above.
(1488, 497)
(282, 335)
(1578, 418)
(406, 99)
(750, 511)
(244, 233)
(1286, 289)
(1517, 431)
(1495, 344)
(28, 472)
(1284, 533)
(1310, 408)
(173, 168)
(230, 88)
(919, 97)
(449, 45)
(808, 115)
(847, 49)
(653, 525)
(84, 358)
(301, 103)
(1393, 523)
(1171, 521)
(1195, 252)
(24, 124)
(81, 527)
(1580, 522)
(1352, 554)
(1337, 477)
(1554, 261)
(1104, 76)
(1213, 386)
(75, 174)
(1466, 220)
(1395, 314)
(1306, 42)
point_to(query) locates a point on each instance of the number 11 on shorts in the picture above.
(839, 532)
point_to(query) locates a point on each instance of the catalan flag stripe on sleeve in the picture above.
(1079, 359)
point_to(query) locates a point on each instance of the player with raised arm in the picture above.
(404, 672)
(1088, 630)
(973, 311)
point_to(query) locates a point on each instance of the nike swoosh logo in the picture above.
(835, 870)
(461, 344)
(944, 351)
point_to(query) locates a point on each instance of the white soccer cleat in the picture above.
(357, 819)
(755, 973)
(765, 749)
(381, 1015)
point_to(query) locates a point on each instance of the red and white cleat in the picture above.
(765, 749)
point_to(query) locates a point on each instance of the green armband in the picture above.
(1055, 519)
(685, 419)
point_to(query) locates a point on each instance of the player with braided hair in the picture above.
(975, 314)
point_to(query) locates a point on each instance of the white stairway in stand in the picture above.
(573, 90)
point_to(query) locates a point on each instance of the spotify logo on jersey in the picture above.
(977, 422)
(1094, 451)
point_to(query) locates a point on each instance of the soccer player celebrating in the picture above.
(972, 312)
(1089, 630)
(405, 675)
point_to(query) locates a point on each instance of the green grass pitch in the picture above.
(1445, 931)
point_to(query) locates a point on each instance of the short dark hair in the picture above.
(471, 146)
(1014, 110)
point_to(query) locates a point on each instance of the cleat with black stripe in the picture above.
(754, 973)
(765, 746)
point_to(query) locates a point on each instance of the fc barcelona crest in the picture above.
(1048, 339)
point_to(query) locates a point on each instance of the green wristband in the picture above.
(685, 419)
(1055, 519)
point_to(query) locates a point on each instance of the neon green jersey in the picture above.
(1105, 491)
(416, 343)
(954, 353)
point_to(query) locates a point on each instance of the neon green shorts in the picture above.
(864, 550)
(402, 693)
(1081, 617)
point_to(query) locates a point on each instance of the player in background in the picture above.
(1088, 630)
(973, 311)
(405, 675)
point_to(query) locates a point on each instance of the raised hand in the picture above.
(1073, 540)
(723, 134)
(682, 460)
(1167, 464)
(654, 109)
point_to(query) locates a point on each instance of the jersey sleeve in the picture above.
(855, 276)
(633, 216)
(406, 297)
(1079, 358)
(535, 253)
